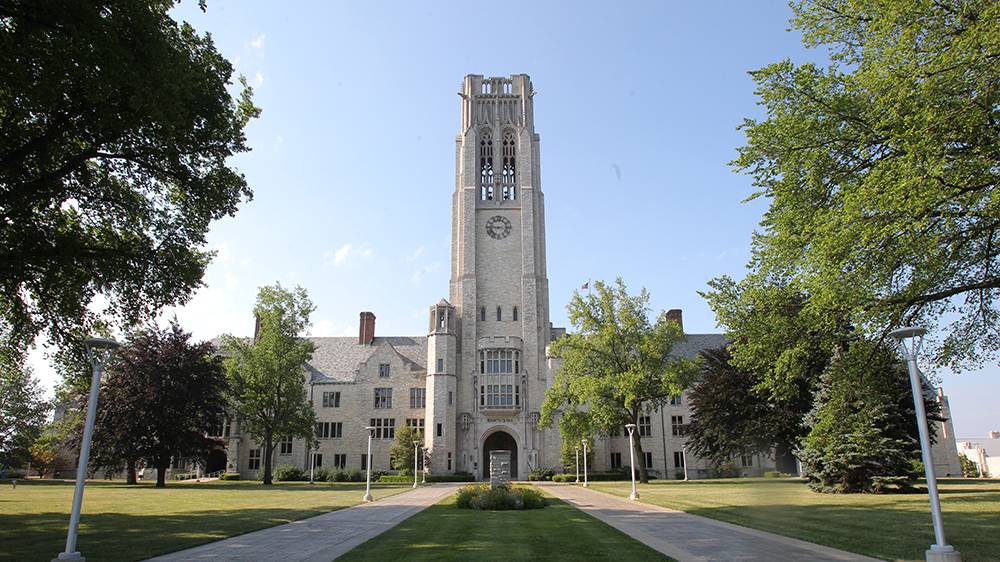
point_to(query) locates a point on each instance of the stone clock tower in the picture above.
(487, 370)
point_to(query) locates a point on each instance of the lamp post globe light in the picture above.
(368, 465)
(577, 465)
(416, 451)
(910, 340)
(631, 454)
(585, 483)
(100, 352)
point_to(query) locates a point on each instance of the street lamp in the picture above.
(631, 453)
(416, 451)
(585, 483)
(368, 464)
(99, 351)
(577, 465)
(684, 460)
(312, 465)
(909, 340)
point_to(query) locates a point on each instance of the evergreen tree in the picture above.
(862, 430)
(401, 453)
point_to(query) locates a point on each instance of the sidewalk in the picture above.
(321, 538)
(687, 537)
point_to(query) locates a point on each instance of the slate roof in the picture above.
(695, 343)
(337, 359)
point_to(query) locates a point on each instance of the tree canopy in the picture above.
(616, 365)
(116, 125)
(162, 396)
(881, 168)
(23, 412)
(266, 374)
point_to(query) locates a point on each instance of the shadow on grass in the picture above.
(883, 531)
(120, 537)
(218, 485)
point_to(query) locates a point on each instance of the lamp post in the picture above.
(910, 340)
(577, 465)
(684, 459)
(312, 465)
(416, 451)
(585, 483)
(99, 351)
(631, 454)
(368, 464)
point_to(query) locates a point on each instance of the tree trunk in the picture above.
(641, 459)
(162, 464)
(130, 471)
(266, 453)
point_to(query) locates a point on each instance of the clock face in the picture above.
(498, 227)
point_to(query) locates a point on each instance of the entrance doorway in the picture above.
(499, 441)
(216, 461)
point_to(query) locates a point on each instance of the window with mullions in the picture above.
(645, 427)
(385, 428)
(507, 175)
(499, 388)
(383, 398)
(486, 165)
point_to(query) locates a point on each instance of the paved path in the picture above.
(687, 537)
(321, 538)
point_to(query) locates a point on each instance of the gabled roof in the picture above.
(696, 343)
(338, 359)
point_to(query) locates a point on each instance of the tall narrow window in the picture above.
(482, 314)
(507, 172)
(515, 314)
(486, 165)
(499, 314)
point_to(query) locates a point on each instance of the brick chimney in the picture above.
(676, 315)
(366, 328)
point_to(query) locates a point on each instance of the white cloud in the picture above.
(223, 254)
(258, 42)
(258, 78)
(232, 282)
(416, 254)
(347, 253)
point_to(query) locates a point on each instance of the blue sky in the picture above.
(353, 156)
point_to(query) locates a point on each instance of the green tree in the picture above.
(401, 453)
(881, 168)
(116, 125)
(23, 412)
(969, 468)
(862, 434)
(616, 365)
(732, 416)
(266, 375)
(161, 398)
(49, 444)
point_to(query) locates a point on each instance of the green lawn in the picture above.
(892, 527)
(122, 522)
(557, 532)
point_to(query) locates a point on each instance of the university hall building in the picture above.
(476, 380)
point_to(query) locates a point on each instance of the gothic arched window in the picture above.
(486, 165)
(499, 314)
(507, 173)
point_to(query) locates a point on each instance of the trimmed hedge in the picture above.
(596, 477)
(288, 473)
(540, 474)
(482, 496)
(456, 477)
(229, 476)
(396, 478)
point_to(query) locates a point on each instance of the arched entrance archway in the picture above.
(216, 461)
(499, 441)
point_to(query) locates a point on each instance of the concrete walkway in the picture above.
(687, 537)
(321, 538)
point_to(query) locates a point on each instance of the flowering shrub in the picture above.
(482, 496)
